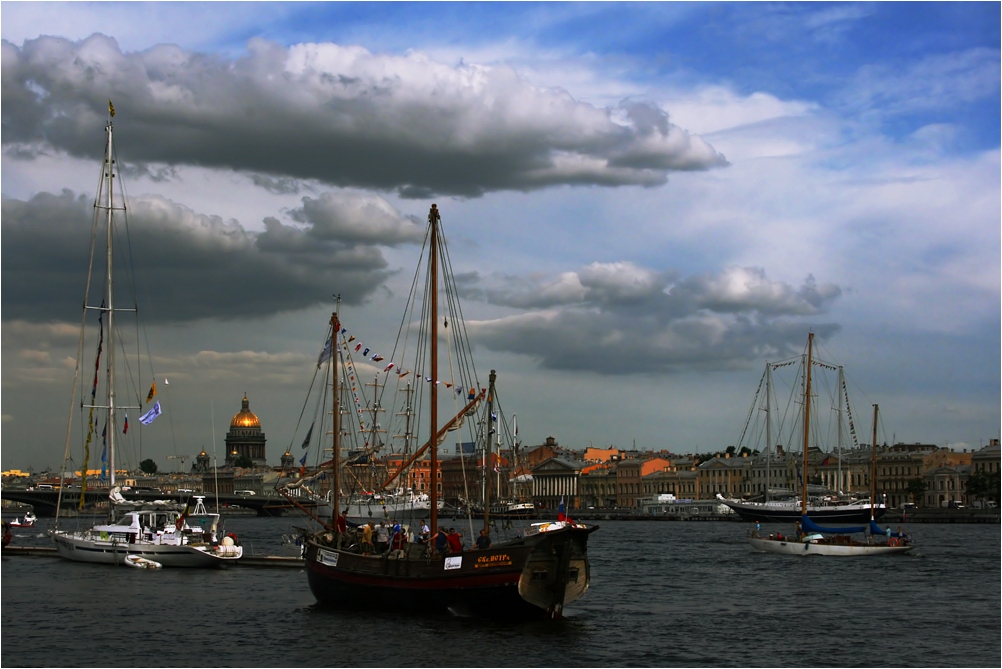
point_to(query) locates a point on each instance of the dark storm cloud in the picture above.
(193, 266)
(623, 319)
(338, 114)
(280, 186)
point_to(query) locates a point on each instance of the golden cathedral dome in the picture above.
(246, 417)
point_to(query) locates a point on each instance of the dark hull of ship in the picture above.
(527, 578)
(824, 514)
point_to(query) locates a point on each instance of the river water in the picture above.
(663, 594)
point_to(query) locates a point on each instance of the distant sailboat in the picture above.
(810, 538)
(781, 505)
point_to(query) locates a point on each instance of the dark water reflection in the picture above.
(663, 594)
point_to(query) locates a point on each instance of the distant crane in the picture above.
(182, 458)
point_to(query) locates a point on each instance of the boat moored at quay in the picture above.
(788, 511)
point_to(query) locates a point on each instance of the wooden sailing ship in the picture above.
(533, 574)
(837, 504)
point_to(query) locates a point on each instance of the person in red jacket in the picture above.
(399, 540)
(455, 541)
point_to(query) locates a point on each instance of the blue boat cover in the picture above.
(808, 526)
(875, 529)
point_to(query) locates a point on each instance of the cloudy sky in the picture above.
(645, 202)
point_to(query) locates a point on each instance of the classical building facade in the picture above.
(945, 485)
(847, 474)
(245, 438)
(987, 459)
(554, 480)
(721, 476)
(597, 486)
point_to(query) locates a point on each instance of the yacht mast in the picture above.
(109, 167)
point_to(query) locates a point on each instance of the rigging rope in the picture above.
(90, 415)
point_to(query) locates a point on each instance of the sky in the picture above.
(646, 202)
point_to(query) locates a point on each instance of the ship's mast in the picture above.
(873, 464)
(768, 426)
(488, 452)
(408, 413)
(336, 421)
(377, 408)
(841, 397)
(433, 221)
(807, 419)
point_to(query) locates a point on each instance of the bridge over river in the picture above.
(44, 501)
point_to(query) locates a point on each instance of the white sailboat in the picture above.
(813, 539)
(170, 537)
(173, 537)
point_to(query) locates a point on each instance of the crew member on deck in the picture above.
(425, 533)
(455, 541)
(382, 537)
(367, 539)
(442, 541)
(399, 541)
